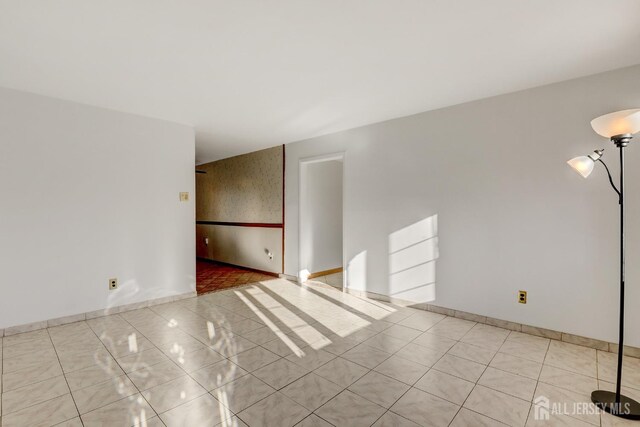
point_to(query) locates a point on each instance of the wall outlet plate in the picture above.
(522, 297)
(184, 196)
(113, 284)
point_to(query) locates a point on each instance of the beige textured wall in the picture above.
(246, 188)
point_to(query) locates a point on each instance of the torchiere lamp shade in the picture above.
(618, 123)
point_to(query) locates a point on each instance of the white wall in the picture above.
(88, 194)
(511, 214)
(321, 210)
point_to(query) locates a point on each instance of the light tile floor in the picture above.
(280, 354)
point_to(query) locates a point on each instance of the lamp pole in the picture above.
(622, 273)
(619, 127)
(616, 403)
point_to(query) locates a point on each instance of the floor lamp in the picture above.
(619, 127)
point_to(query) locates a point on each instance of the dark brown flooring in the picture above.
(212, 276)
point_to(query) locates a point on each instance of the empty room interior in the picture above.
(320, 213)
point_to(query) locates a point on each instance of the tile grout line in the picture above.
(395, 354)
(362, 297)
(447, 352)
(188, 307)
(257, 345)
(126, 374)
(123, 309)
(31, 384)
(373, 370)
(571, 372)
(381, 332)
(416, 381)
(187, 374)
(63, 376)
(538, 381)
(279, 390)
(479, 377)
(225, 358)
(457, 341)
(123, 371)
(100, 383)
(414, 338)
(539, 375)
(598, 378)
(342, 388)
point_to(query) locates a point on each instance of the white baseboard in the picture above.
(505, 324)
(12, 330)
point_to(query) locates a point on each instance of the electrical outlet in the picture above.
(184, 196)
(113, 284)
(522, 297)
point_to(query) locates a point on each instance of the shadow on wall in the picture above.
(413, 252)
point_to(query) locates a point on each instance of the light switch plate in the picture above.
(184, 196)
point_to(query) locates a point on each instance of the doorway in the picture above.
(321, 219)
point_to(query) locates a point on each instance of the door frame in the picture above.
(302, 183)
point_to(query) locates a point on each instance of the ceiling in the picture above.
(251, 74)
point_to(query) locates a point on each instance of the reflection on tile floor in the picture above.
(280, 354)
(213, 276)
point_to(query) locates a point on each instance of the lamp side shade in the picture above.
(582, 164)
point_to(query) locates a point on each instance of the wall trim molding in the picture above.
(243, 224)
(326, 272)
(29, 327)
(504, 324)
